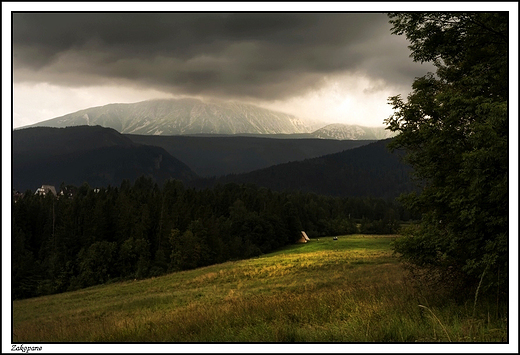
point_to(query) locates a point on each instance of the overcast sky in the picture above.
(334, 67)
(328, 66)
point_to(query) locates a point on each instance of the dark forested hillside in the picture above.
(93, 154)
(101, 157)
(42, 141)
(216, 156)
(141, 230)
(370, 170)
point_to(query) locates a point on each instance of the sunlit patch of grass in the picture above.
(349, 290)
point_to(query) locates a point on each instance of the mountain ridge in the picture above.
(190, 116)
(182, 117)
(221, 155)
(341, 131)
(102, 156)
(369, 170)
(93, 154)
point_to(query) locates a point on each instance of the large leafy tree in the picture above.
(454, 129)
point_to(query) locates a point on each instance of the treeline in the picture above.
(142, 230)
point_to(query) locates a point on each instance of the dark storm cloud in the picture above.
(262, 55)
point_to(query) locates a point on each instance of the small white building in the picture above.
(45, 189)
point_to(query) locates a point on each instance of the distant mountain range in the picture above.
(189, 116)
(182, 117)
(102, 156)
(353, 132)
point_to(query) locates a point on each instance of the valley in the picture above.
(212, 156)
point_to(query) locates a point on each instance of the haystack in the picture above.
(304, 238)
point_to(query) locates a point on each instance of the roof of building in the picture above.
(46, 188)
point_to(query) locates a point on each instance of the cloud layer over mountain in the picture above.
(257, 55)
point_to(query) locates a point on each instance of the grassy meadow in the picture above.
(349, 290)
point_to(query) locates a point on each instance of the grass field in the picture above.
(349, 290)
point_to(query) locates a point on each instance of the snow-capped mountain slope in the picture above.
(352, 132)
(184, 116)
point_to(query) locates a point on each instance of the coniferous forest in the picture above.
(91, 236)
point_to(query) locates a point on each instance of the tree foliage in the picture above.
(141, 230)
(454, 128)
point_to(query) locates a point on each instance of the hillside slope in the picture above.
(327, 291)
(223, 302)
(97, 155)
(370, 170)
(216, 156)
